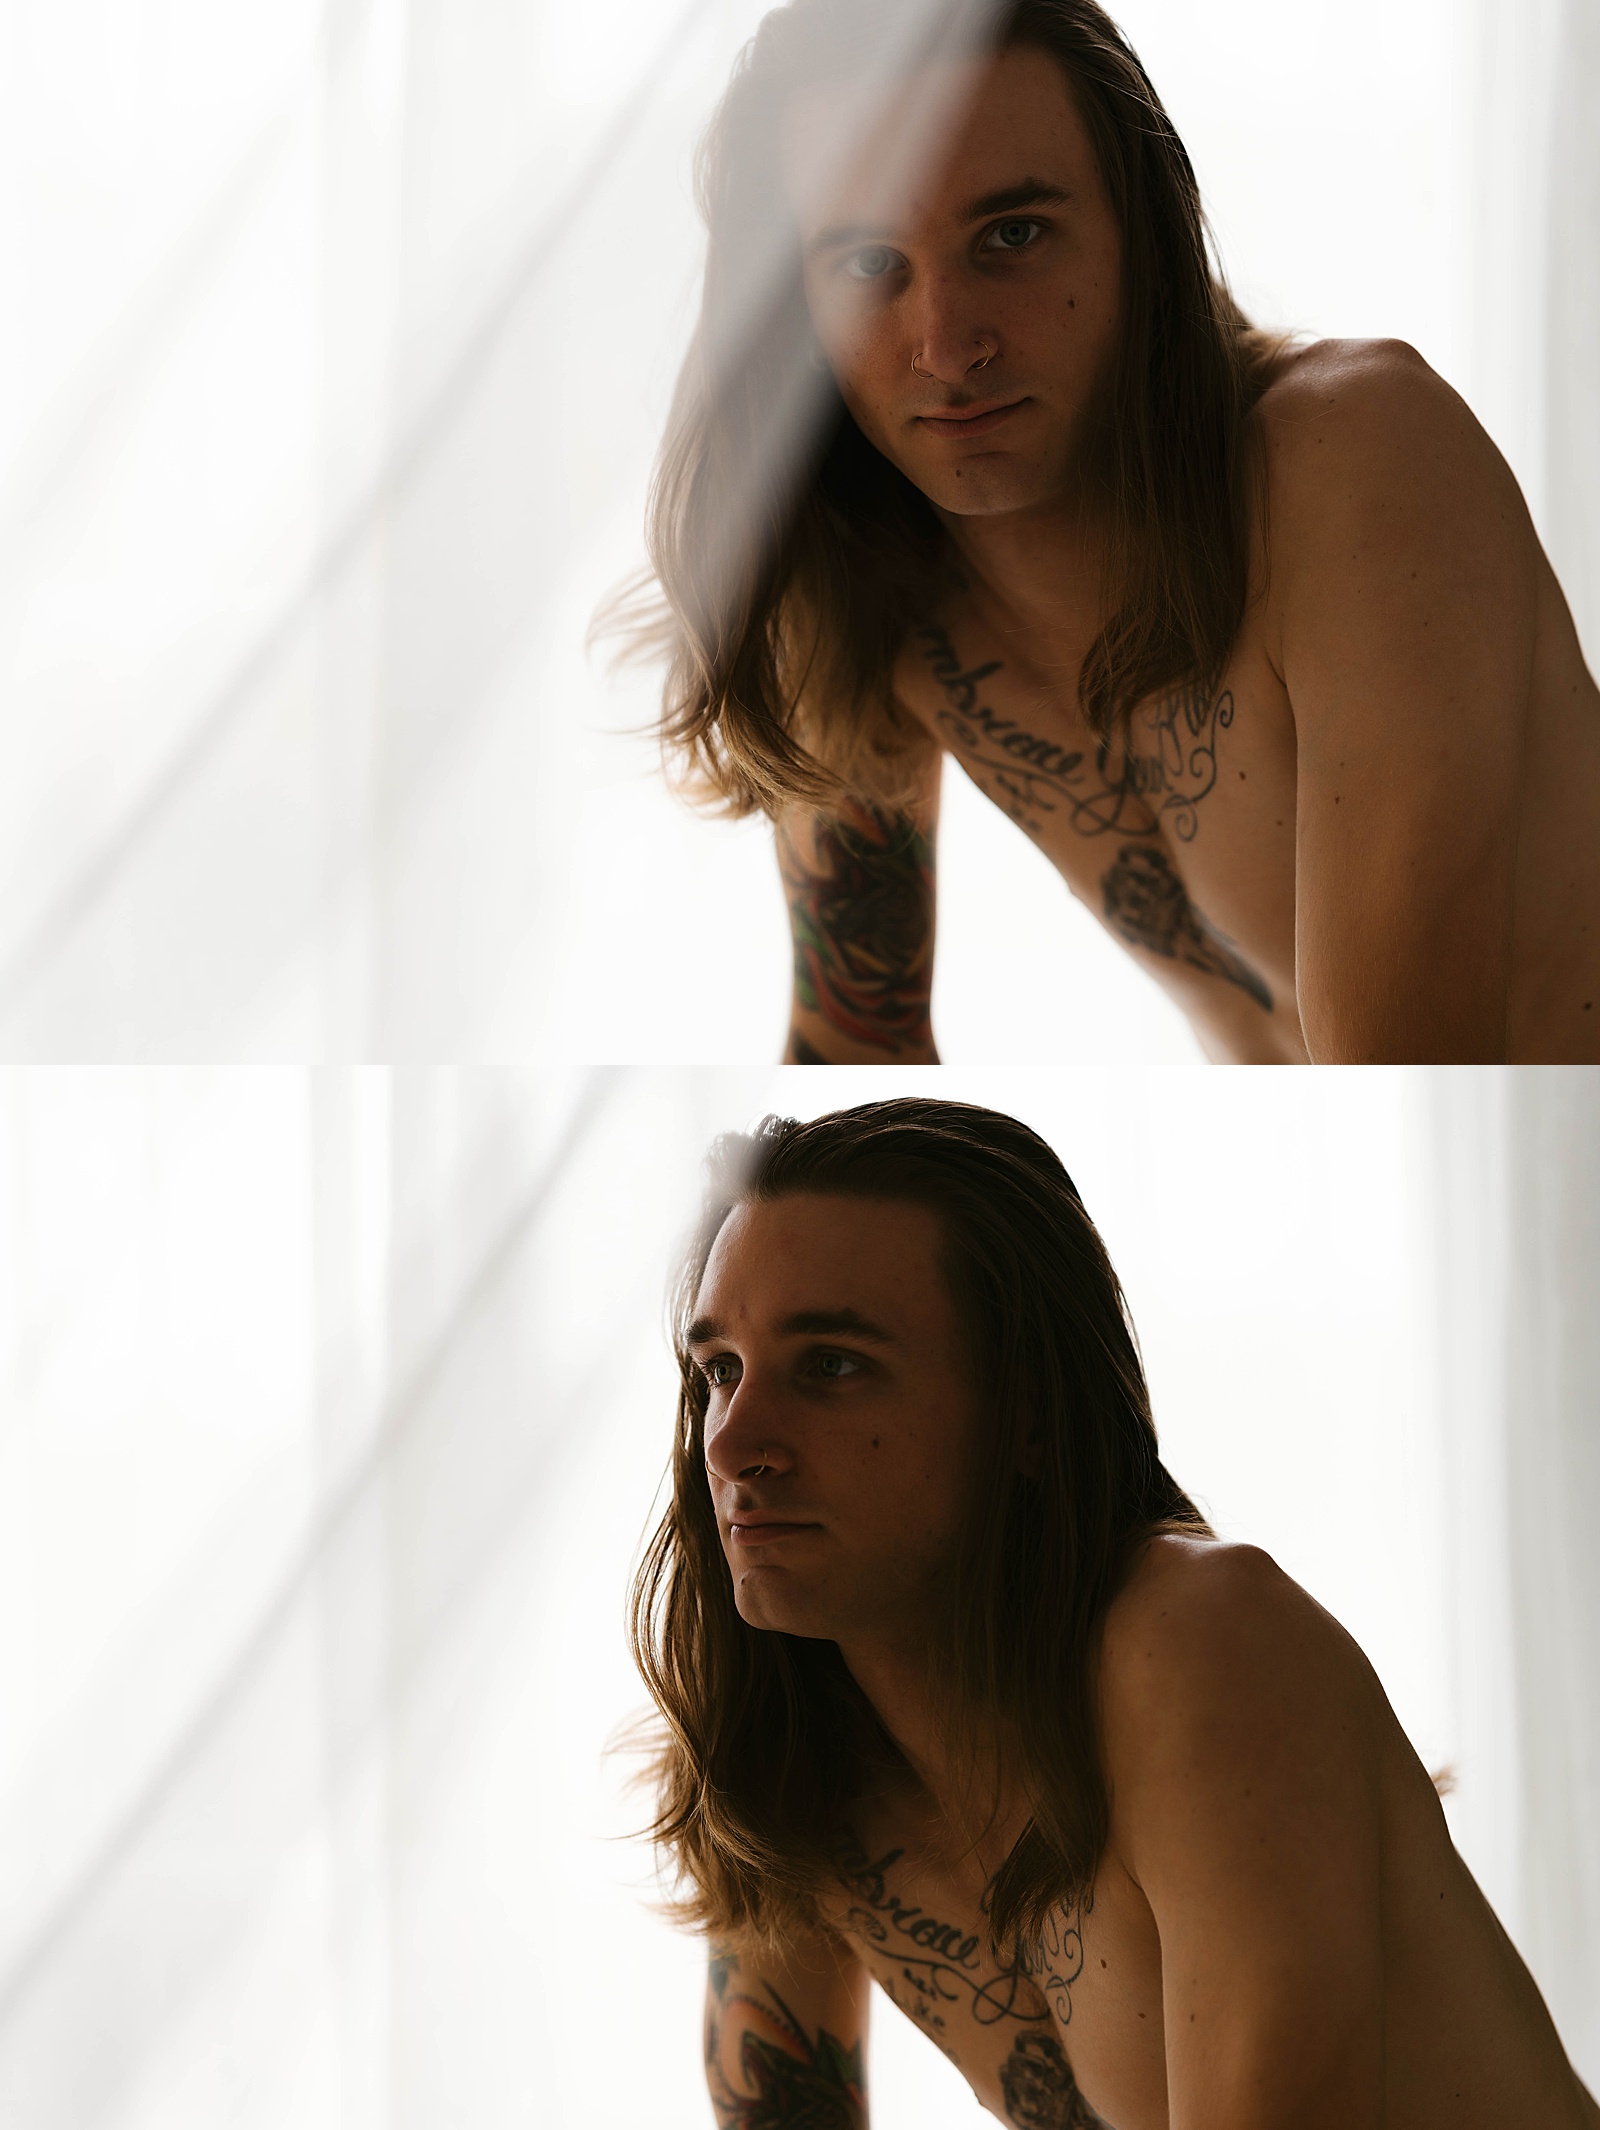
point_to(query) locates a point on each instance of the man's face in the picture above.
(1002, 240)
(840, 1429)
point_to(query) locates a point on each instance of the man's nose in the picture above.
(746, 1441)
(949, 341)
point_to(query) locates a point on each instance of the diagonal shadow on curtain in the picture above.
(418, 449)
(63, 440)
(207, 1801)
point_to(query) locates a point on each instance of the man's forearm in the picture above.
(766, 2069)
(860, 890)
(830, 1048)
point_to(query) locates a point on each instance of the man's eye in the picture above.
(871, 264)
(721, 1369)
(834, 1366)
(1015, 234)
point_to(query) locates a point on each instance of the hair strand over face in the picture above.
(792, 558)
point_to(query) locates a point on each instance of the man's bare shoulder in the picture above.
(1349, 424)
(1179, 1583)
(1330, 388)
(1205, 1626)
(1385, 496)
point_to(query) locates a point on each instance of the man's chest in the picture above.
(1062, 2043)
(1178, 833)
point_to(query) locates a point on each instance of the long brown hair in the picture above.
(767, 1738)
(792, 557)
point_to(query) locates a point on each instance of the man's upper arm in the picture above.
(1244, 1781)
(860, 888)
(1406, 572)
(785, 2038)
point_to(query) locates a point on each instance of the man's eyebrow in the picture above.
(1029, 192)
(839, 233)
(823, 1323)
(813, 1323)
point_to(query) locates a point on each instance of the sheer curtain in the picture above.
(1515, 1165)
(335, 1407)
(1572, 299)
(1529, 280)
(336, 1404)
(352, 332)
(349, 335)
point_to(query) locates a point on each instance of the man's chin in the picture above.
(764, 1603)
(987, 488)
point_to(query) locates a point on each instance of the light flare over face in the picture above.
(1003, 241)
(839, 1430)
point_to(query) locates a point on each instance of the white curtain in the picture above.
(334, 1411)
(1515, 1163)
(336, 1404)
(1527, 129)
(344, 338)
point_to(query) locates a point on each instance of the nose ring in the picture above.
(761, 1467)
(989, 356)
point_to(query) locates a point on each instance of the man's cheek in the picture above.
(881, 435)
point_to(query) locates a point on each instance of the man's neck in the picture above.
(895, 1682)
(1041, 572)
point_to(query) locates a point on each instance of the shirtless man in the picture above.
(1371, 832)
(913, 1424)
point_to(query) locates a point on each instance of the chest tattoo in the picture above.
(1154, 774)
(1146, 903)
(1060, 1958)
(939, 1963)
(1040, 2090)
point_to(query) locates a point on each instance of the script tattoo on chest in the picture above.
(1127, 789)
(940, 1964)
(1153, 775)
(1060, 1958)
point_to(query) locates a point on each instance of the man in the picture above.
(1256, 642)
(962, 1695)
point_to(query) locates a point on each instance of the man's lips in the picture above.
(762, 1530)
(976, 422)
